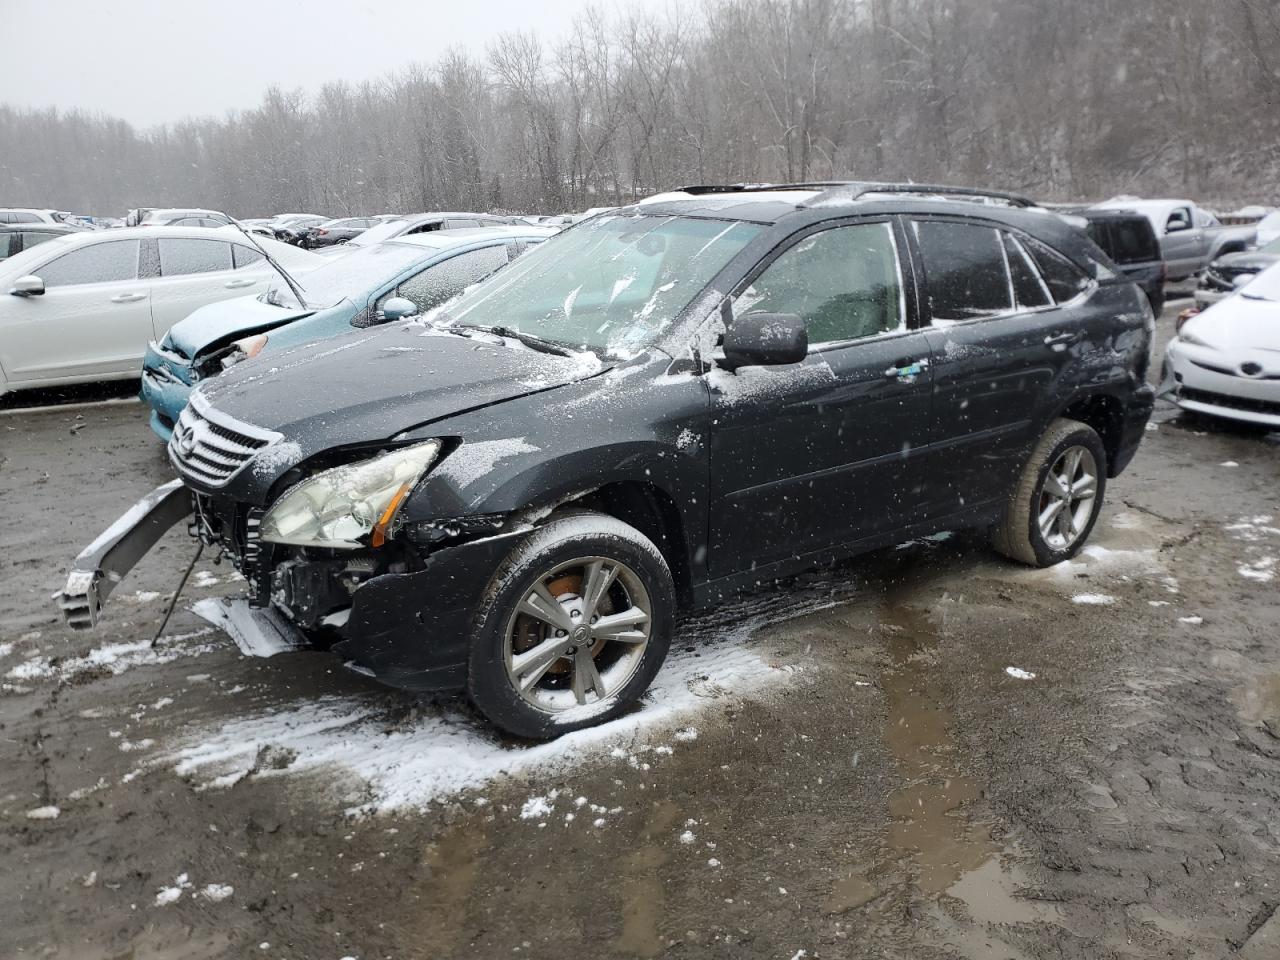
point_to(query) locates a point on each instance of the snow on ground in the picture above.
(1093, 599)
(1261, 534)
(443, 751)
(1019, 674)
(114, 658)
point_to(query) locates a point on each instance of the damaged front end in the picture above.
(327, 564)
(104, 563)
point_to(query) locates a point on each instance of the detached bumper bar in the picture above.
(117, 550)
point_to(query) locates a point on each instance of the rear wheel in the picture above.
(1055, 503)
(573, 628)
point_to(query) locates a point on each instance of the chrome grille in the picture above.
(211, 447)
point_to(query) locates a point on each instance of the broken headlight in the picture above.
(343, 506)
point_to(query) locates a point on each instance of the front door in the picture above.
(817, 454)
(94, 318)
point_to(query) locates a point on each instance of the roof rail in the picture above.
(857, 190)
(706, 188)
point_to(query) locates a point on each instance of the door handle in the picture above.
(237, 284)
(1055, 339)
(907, 372)
(128, 297)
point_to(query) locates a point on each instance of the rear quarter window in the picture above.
(1064, 279)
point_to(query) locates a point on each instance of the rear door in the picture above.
(813, 455)
(194, 271)
(1000, 339)
(94, 317)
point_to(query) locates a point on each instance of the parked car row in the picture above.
(513, 493)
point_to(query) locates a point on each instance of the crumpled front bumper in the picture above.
(117, 550)
(411, 630)
(166, 388)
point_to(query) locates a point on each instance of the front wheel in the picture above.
(1056, 501)
(573, 627)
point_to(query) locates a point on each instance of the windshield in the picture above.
(1272, 247)
(1266, 286)
(348, 275)
(612, 284)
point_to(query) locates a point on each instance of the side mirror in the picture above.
(1176, 226)
(28, 286)
(765, 339)
(397, 308)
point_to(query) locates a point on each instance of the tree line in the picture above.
(1060, 99)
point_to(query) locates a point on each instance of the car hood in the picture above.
(1239, 325)
(1246, 260)
(370, 385)
(219, 321)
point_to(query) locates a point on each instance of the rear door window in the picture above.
(966, 270)
(108, 262)
(182, 255)
(10, 243)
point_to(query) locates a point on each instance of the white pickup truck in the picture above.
(1190, 237)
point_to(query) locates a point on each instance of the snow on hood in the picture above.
(1239, 323)
(223, 320)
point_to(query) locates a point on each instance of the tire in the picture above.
(1019, 535)
(575, 678)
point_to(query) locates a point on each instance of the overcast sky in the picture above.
(150, 61)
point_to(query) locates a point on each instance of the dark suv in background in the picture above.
(1130, 241)
(516, 494)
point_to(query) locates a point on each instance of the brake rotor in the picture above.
(530, 632)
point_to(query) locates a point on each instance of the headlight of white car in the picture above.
(340, 507)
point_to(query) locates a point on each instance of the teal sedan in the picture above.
(425, 269)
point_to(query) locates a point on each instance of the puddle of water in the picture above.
(642, 896)
(990, 892)
(1259, 699)
(855, 890)
(452, 864)
(939, 841)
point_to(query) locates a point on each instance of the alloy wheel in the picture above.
(1067, 497)
(578, 634)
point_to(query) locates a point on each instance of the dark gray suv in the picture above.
(514, 495)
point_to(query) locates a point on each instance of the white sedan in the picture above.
(1225, 361)
(83, 307)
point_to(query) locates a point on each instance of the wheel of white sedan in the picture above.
(573, 627)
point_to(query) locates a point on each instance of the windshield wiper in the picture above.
(293, 284)
(529, 340)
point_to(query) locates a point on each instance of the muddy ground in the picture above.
(839, 766)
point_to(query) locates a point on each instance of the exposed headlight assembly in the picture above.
(344, 506)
